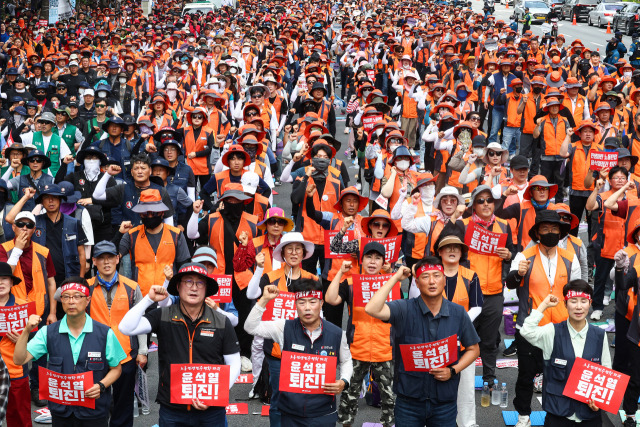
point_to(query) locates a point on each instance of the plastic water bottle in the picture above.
(495, 394)
(135, 407)
(485, 399)
(504, 396)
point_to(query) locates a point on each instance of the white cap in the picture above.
(73, 63)
(25, 215)
(250, 181)
(89, 92)
(172, 85)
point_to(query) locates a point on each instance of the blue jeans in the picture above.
(511, 139)
(274, 381)
(496, 124)
(211, 417)
(412, 413)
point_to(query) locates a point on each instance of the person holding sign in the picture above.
(188, 332)
(426, 389)
(313, 402)
(74, 345)
(368, 337)
(561, 343)
(378, 225)
(539, 268)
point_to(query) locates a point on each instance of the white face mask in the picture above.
(378, 132)
(201, 57)
(393, 147)
(403, 165)
(478, 151)
(222, 85)
(184, 67)
(18, 119)
(627, 74)
(172, 93)
(102, 94)
(92, 167)
(246, 49)
(191, 39)
(122, 80)
(427, 193)
(406, 66)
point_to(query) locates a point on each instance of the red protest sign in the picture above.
(371, 75)
(224, 288)
(306, 373)
(369, 120)
(328, 237)
(281, 307)
(237, 409)
(602, 159)
(244, 379)
(591, 381)
(207, 383)
(15, 317)
(264, 411)
(65, 389)
(482, 241)
(364, 286)
(391, 246)
(428, 356)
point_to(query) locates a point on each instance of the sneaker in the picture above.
(358, 186)
(537, 383)
(245, 364)
(523, 421)
(46, 418)
(512, 350)
(35, 398)
(278, 182)
(346, 131)
(252, 394)
(629, 422)
(606, 300)
(596, 315)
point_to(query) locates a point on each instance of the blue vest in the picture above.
(178, 209)
(25, 182)
(120, 152)
(498, 83)
(130, 199)
(61, 361)
(310, 405)
(69, 241)
(180, 176)
(557, 374)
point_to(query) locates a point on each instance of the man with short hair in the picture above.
(48, 142)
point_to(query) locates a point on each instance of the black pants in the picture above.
(123, 390)
(488, 327)
(529, 148)
(529, 365)
(551, 169)
(577, 206)
(332, 313)
(625, 360)
(311, 264)
(72, 421)
(202, 179)
(556, 421)
(244, 306)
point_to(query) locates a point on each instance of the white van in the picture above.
(203, 7)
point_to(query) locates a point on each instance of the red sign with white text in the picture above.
(482, 241)
(281, 307)
(328, 237)
(244, 379)
(428, 356)
(392, 246)
(224, 288)
(370, 120)
(207, 383)
(15, 317)
(306, 373)
(237, 409)
(371, 75)
(592, 381)
(65, 389)
(364, 286)
(602, 160)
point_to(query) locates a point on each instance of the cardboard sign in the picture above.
(371, 75)
(602, 159)
(391, 247)
(364, 286)
(428, 356)
(483, 241)
(207, 383)
(281, 307)
(237, 409)
(369, 120)
(224, 288)
(244, 379)
(591, 381)
(306, 373)
(328, 237)
(14, 318)
(65, 389)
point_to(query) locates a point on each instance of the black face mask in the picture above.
(40, 96)
(251, 150)
(550, 240)
(537, 90)
(446, 125)
(232, 210)
(320, 164)
(517, 89)
(152, 222)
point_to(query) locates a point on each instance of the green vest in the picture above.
(69, 136)
(13, 194)
(94, 122)
(53, 153)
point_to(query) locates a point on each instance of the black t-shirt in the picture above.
(54, 244)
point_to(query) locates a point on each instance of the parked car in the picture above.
(627, 19)
(538, 10)
(556, 6)
(578, 8)
(603, 14)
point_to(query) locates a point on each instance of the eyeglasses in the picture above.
(190, 283)
(276, 221)
(75, 298)
(450, 200)
(482, 201)
(293, 250)
(101, 106)
(44, 123)
(474, 119)
(197, 116)
(565, 218)
(618, 178)
(251, 114)
(36, 160)
(61, 88)
(22, 224)
(494, 153)
(377, 224)
(539, 188)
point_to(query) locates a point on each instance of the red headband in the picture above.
(429, 267)
(75, 287)
(309, 294)
(576, 294)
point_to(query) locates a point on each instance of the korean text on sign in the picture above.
(591, 381)
(370, 120)
(391, 246)
(602, 160)
(482, 241)
(207, 383)
(66, 389)
(306, 373)
(364, 286)
(328, 237)
(428, 356)
(281, 307)
(224, 288)
(14, 318)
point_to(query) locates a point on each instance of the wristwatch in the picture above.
(346, 383)
(102, 388)
(453, 371)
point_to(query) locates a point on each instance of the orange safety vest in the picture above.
(527, 220)
(580, 165)
(149, 265)
(38, 293)
(121, 304)
(7, 349)
(530, 111)
(410, 181)
(513, 118)
(333, 265)
(488, 267)
(578, 112)
(258, 244)
(553, 136)
(311, 230)
(199, 165)
(610, 234)
(631, 298)
(461, 294)
(416, 244)
(260, 206)
(222, 179)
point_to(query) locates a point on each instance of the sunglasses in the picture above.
(257, 95)
(494, 154)
(22, 224)
(482, 201)
(276, 221)
(539, 188)
(380, 225)
(565, 218)
(101, 106)
(197, 116)
(474, 119)
(251, 114)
